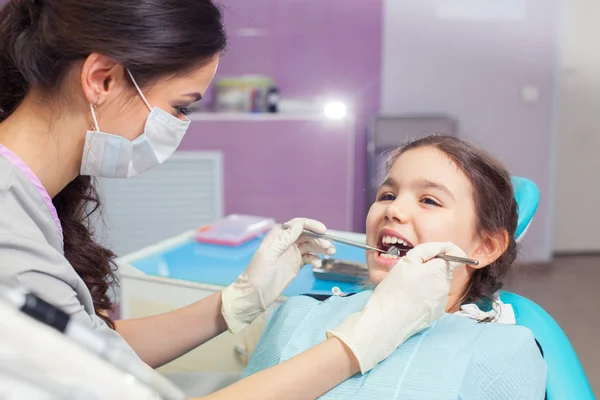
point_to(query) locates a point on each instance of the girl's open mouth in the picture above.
(388, 238)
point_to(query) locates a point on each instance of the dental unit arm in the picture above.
(44, 312)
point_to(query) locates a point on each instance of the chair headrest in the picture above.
(527, 196)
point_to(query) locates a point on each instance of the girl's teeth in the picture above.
(393, 240)
(386, 255)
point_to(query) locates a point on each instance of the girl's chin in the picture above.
(376, 275)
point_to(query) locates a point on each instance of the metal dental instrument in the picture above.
(395, 251)
(392, 250)
(306, 232)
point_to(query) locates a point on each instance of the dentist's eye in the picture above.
(182, 110)
(386, 197)
(430, 201)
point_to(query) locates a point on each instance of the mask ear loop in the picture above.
(92, 160)
(139, 90)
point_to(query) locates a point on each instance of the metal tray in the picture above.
(342, 271)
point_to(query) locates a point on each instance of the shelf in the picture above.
(200, 116)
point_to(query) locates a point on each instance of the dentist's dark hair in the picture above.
(495, 207)
(42, 39)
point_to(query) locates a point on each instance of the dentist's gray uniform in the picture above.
(32, 256)
(31, 251)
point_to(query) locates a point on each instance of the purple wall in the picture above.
(312, 48)
(283, 168)
(473, 70)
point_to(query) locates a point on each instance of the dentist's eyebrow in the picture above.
(196, 96)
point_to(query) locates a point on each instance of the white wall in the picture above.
(578, 173)
(474, 70)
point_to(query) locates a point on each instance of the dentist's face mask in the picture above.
(113, 156)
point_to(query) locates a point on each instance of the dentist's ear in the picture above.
(490, 248)
(100, 75)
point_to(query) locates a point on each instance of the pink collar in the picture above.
(35, 181)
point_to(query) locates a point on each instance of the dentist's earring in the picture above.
(91, 160)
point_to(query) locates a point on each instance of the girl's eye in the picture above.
(386, 197)
(430, 201)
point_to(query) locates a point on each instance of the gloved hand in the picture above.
(276, 263)
(408, 300)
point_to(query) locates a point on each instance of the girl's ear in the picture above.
(491, 247)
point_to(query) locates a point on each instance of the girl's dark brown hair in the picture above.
(495, 207)
(42, 39)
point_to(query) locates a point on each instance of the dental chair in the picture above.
(566, 378)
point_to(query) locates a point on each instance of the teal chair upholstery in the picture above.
(527, 196)
(566, 378)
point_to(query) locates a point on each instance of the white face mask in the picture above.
(113, 156)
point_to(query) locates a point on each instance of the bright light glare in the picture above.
(335, 110)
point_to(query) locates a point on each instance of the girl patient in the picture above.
(437, 189)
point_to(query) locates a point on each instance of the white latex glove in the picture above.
(276, 263)
(408, 300)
